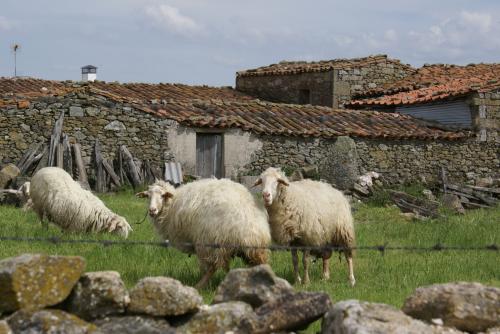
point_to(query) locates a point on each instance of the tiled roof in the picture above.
(165, 91)
(297, 120)
(11, 87)
(294, 67)
(225, 108)
(30, 87)
(434, 82)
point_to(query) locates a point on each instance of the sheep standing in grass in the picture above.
(60, 199)
(210, 212)
(308, 213)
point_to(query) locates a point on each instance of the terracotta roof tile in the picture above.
(301, 120)
(202, 106)
(432, 83)
(294, 67)
(30, 87)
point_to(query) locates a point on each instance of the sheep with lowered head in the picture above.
(308, 213)
(60, 199)
(210, 212)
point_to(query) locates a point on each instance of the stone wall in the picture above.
(91, 117)
(286, 88)
(486, 115)
(87, 118)
(332, 88)
(397, 161)
(351, 81)
(159, 140)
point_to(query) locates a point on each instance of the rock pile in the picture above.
(51, 294)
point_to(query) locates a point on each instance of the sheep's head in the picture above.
(159, 194)
(272, 179)
(120, 226)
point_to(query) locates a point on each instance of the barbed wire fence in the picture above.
(167, 244)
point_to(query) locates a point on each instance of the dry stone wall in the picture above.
(486, 113)
(340, 162)
(331, 88)
(87, 118)
(351, 81)
(249, 300)
(91, 117)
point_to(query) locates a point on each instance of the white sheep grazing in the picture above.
(60, 199)
(308, 213)
(210, 212)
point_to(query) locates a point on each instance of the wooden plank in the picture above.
(130, 167)
(100, 176)
(43, 161)
(80, 167)
(484, 189)
(408, 203)
(67, 158)
(474, 194)
(29, 159)
(471, 205)
(120, 167)
(55, 138)
(59, 155)
(115, 178)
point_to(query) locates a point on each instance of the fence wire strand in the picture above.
(167, 244)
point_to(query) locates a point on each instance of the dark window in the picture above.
(304, 96)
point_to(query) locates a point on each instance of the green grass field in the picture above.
(387, 278)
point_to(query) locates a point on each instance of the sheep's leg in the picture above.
(206, 276)
(40, 215)
(326, 268)
(295, 261)
(348, 257)
(305, 264)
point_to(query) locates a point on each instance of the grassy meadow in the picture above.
(387, 278)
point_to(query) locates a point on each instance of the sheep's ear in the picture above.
(259, 181)
(283, 182)
(167, 195)
(142, 194)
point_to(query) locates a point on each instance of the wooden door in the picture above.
(209, 155)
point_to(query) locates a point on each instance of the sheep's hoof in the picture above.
(298, 280)
(325, 278)
(306, 281)
(352, 281)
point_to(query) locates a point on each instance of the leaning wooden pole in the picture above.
(55, 139)
(130, 167)
(100, 183)
(80, 167)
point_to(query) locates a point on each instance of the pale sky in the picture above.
(207, 41)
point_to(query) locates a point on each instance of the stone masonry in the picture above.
(329, 88)
(89, 117)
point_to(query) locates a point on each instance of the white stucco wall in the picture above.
(238, 148)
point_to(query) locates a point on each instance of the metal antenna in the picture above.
(15, 48)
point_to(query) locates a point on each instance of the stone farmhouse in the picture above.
(231, 133)
(325, 83)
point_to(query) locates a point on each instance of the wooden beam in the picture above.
(100, 182)
(67, 158)
(80, 167)
(130, 167)
(111, 173)
(55, 138)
